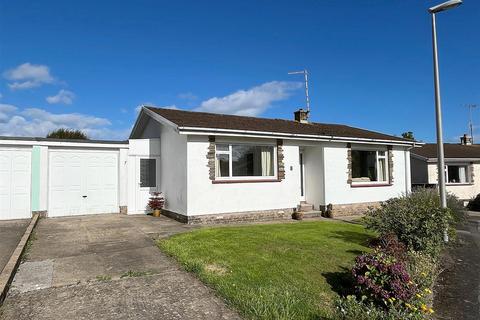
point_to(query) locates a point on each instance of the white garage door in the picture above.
(15, 177)
(83, 182)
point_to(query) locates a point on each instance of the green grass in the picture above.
(133, 274)
(273, 271)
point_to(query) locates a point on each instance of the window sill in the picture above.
(244, 181)
(370, 185)
(459, 184)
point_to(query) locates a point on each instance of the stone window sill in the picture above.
(245, 181)
(370, 185)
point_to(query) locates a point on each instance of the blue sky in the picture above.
(88, 64)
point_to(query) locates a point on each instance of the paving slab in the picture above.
(173, 295)
(107, 267)
(11, 231)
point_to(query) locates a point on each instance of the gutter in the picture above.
(290, 136)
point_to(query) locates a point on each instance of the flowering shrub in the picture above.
(156, 201)
(416, 219)
(388, 243)
(382, 279)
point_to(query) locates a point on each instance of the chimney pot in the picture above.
(465, 140)
(301, 115)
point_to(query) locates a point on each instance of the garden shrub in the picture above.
(423, 270)
(416, 219)
(351, 308)
(389, 244)
(474, 204)
(382, 279)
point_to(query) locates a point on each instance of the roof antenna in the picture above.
(470, 122)
(307, 98)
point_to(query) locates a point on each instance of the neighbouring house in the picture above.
(462, 165)
(210, 167)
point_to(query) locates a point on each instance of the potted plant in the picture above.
(297, 215)
(156, 203)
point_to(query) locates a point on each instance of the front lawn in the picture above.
(273, 271)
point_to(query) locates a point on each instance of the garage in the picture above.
(83, 182)
(15, 177)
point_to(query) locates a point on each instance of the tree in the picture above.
(64, 133)
(408, 135)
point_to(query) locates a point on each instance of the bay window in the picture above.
(244, 160)
(369, 166)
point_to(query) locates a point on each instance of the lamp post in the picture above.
(438, 104)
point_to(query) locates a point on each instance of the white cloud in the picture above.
(6, 110)
(63, 96)
(251, 102)
(35, 122)
(28, 75)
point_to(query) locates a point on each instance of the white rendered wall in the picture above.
(314, 177)
(204, 197)
(338, 191)
(173, 174)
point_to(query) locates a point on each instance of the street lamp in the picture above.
(438, 105)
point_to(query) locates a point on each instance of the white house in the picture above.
(210, 167)
(462, 167)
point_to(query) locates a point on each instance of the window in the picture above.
(457, 174)
(148, 171)
(369, 166)
(244, 160)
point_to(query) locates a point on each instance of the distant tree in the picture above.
(63, 133)
(408, 135)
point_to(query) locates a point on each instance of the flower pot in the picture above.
(297, 215)
(157, 212)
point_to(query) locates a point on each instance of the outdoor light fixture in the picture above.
(438, 104)
(445, 6)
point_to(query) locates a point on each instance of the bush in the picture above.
(474, 204)
(382, 279)
(389, 244)
(351, 308)
(416, 219)
(423, 270)
(458, 209)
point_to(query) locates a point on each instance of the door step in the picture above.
(305, 207)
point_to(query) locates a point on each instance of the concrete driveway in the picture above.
(107, 267)
(10, 234)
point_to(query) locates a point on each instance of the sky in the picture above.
(89, 64)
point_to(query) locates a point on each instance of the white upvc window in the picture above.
(369, 166)
(241, 161)
(457, 173)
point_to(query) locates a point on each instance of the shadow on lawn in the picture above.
(341, 282)
(352, 236)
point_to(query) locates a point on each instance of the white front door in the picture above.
(147, 173)
(302, 175)
(82, 182)
(15, 181)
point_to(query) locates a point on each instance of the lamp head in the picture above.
(445, 6)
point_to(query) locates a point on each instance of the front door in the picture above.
(302, 176)
(147, 179)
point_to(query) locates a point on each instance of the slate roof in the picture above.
(450, 150)
(221, 121)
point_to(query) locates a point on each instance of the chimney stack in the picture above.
(301, 115)
(466, 140)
